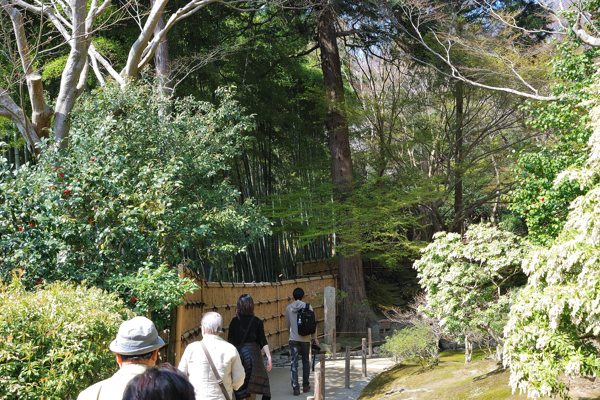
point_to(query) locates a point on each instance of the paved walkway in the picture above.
(281, 388)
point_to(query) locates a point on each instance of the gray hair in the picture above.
(212, 323)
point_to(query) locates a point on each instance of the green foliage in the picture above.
(553, 328)
(467, 280)
(155, 289)
(380, 296)
(54, 68)
(137, 187)
(54, 340)
(111, 49)
(541, 202)
(417, 342)
(379, 213)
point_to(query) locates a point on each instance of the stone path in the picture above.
(281, 388)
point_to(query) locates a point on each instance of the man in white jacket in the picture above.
(136, 348)
(224, 355)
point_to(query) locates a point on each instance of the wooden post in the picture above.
(318, 385)
(364, 358)
(333, 344)
(322, 376)
(370, 343)
(347, 371)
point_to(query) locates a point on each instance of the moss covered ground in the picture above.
(482, 379)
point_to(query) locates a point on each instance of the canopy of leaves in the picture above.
(541, 202)
(554, 324)
(468, 280)
(139, 186)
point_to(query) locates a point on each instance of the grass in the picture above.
(482, 379)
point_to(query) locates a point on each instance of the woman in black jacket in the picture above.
(247, 334)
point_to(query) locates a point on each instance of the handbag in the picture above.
(212, 365)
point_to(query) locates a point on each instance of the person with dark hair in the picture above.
(299, 345)
(247, 334)
(163, 383)
(136, 348)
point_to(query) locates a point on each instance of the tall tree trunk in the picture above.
(457, 224)
(356, 313)
(74, 74)
(161, 57)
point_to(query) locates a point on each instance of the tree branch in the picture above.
(446, 60)
(184, 12)
(9, 109)
(96, 70)
(131, 68)
(104, 62)
(584, 36)
(41, 113)
(76, 63)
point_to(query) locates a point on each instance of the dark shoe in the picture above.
(296, 393)
(306, 389)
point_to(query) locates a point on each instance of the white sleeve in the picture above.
(238, 374)
(183, 363)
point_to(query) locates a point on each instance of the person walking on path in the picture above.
(299, 345)
(247, 334)
(136, 348)
(200, 359)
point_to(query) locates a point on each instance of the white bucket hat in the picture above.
(136, 336)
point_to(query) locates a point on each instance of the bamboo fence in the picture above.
(270, 301)
(318, 267)
(16, 156)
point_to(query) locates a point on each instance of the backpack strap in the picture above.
(214, 369)
(247, 330)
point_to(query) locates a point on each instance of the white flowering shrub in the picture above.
(554, 325)
(468, 280)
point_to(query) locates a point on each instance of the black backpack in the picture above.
(307, 323)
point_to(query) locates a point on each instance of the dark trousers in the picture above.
(300, 349)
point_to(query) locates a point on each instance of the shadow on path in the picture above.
(281, 388)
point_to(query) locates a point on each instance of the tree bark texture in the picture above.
(70, 84)
(468, 349)
(161, 57)
(9, 109)
(356, 313)
(41, 115)
(457, 224)
(75, 22)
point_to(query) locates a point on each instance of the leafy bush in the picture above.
(417, 342)
(468, 281)
(156, 291)
(137, 187)
(54, 340)
(554, 325)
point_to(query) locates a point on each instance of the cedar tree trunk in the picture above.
(356, 313)
(457, 224)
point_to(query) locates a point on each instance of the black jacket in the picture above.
(257, 380)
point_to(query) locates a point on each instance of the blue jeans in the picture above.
(303, 349)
